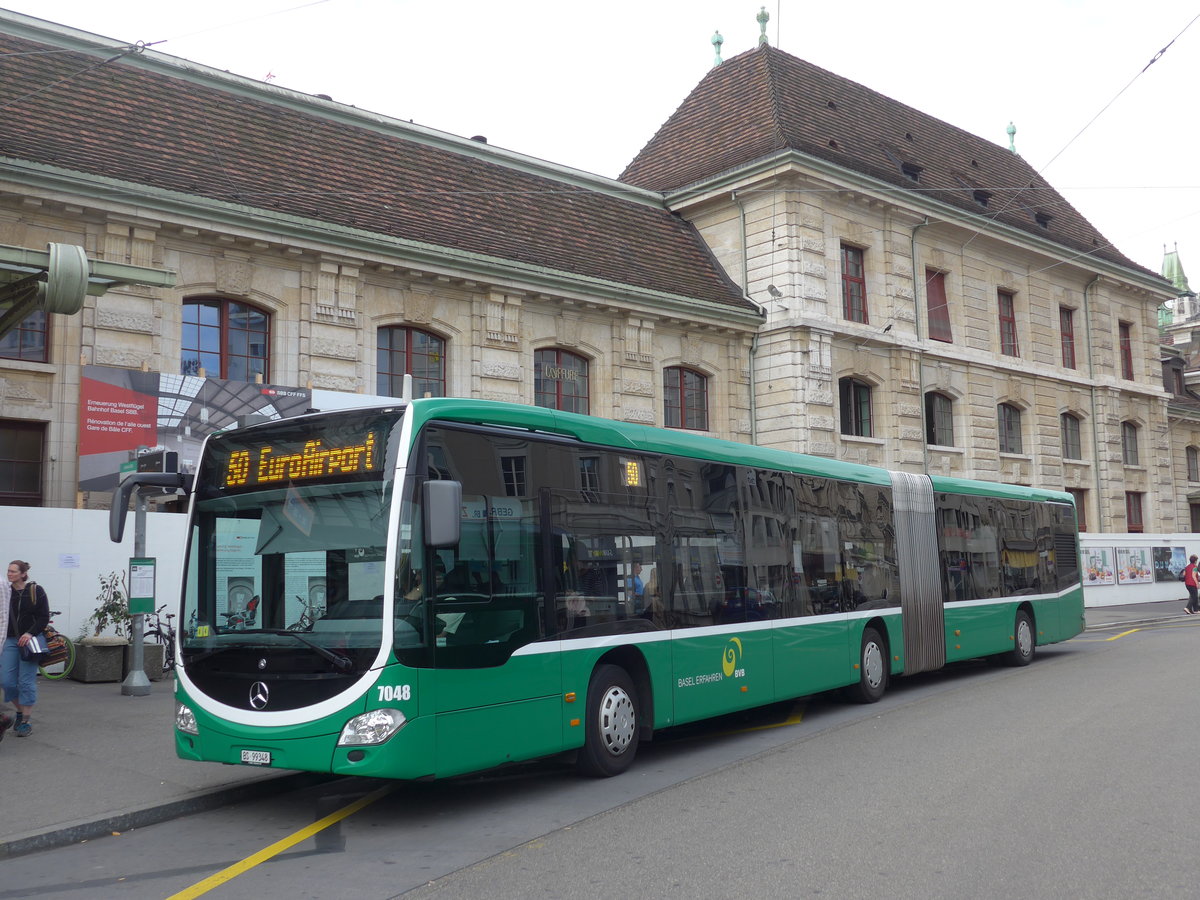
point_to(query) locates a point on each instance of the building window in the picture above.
(589, 478)
(28, 340)
(1008, 325)
(1174, 380)
(560, 381)
(1133, 512)
(512, 469)
(22, 449)
(1072, 448)
(1010, 428)
(1080, 496)
(855, 397)
(939, 419)
(225, 339)
(939, 308)
(1194, 515)
(1193, 464)
(1125, 331)
(854, 285)
(685, 399)
(401, 351)
(1066, 329)
(1129, 444)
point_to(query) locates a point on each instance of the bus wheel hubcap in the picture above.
(873, 664)
(616, 720)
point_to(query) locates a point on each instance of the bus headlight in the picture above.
(185, 720)
(372, 727)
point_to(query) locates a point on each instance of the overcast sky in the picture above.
(587, 84)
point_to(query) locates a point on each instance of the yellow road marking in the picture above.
(232, 872)
(1123, 634)
(795, 718)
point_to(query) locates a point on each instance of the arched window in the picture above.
(1193, 464)
(225, 338)
(685, 399)
(1009, 418)
(561, 381)
(1072, 448)
(401, 351)
(939, 419)
(1129, 444)
(855, 402)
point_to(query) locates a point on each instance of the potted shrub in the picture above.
(103, 651)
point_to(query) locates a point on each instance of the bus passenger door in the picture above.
(497, 679)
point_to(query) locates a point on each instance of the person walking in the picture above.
(5, 598)
(28, 615)
(1190, 582)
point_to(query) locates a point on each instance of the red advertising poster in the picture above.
(124, 410)
(116, 417)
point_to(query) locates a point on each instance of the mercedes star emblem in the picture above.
(259, 693)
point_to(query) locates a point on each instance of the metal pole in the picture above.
(136, 684)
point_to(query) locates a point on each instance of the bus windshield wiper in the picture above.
(343, 664)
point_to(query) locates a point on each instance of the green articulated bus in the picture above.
(443, 585)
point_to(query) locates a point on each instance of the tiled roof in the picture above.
(145, 126)
(765, 101)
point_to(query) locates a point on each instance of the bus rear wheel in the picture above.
(1024, 642)
(872, 669)
(611, 723)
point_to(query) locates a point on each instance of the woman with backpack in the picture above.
(28, 615)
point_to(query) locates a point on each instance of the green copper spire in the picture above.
(1012, 133)
(717, 41)
(1172, 270)
(763, 18)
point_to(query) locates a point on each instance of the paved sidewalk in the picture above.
(99, 761)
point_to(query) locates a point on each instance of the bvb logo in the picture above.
(733, 653)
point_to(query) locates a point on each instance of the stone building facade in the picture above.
(832, 272)
(932, 304)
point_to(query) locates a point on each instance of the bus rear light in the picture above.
(372, 727)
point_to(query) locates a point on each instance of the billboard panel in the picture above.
(121, 410)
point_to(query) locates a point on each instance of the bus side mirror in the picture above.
(442, 502)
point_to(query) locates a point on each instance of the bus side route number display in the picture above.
(269, 465)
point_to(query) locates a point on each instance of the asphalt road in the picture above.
(1070, 778)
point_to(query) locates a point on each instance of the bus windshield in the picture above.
(290, 559)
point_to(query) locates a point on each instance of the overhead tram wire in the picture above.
(1037, 174)
(128, 50)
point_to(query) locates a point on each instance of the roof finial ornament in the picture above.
(717, 41)
(763, 18)
(1012, 133)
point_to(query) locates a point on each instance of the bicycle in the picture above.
(308, 618)
(68, 663)
(162, 634)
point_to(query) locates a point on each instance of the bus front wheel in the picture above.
(611, 735)
(1023, 641)
(872, 669)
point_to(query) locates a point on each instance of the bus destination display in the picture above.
(272, 464)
